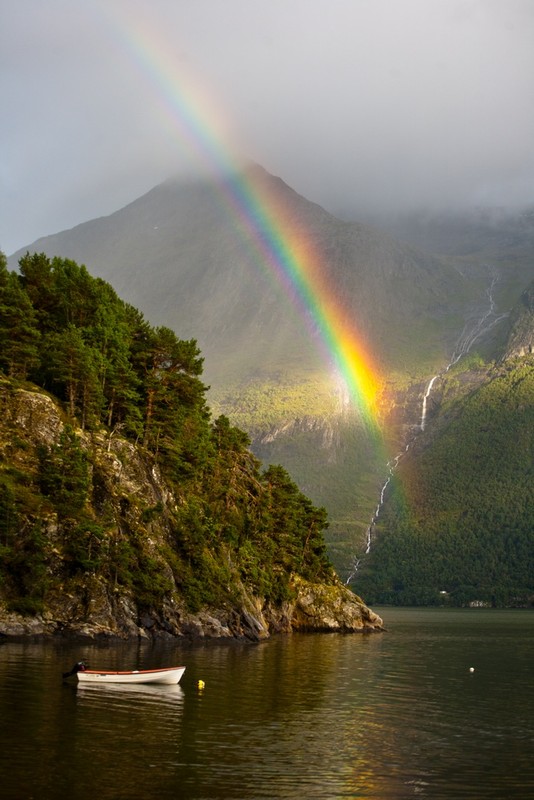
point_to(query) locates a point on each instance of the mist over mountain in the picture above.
(477, 230)
(179, 255)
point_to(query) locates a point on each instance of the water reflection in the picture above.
(118, 732)
(126, 694)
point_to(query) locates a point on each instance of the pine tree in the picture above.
(19, 334)
(72, 370)
(64, 475)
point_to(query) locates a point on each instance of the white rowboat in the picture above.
(167, 675)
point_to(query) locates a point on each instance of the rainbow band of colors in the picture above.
(282, 250)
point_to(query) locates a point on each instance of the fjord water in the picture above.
(392, 715)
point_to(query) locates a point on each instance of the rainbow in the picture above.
(299, 269)
(284, 251)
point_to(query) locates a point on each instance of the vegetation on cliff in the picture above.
(175, 254)
(458, 526)
(123, 392)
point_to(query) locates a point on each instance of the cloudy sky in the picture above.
(360, 105)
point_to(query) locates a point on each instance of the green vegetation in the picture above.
(459, 524)
(264, 403)
(118, 378)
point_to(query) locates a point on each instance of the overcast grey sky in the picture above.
(357, 104)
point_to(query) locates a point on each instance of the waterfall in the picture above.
(425, 401)
(472, 331)
(391, 466)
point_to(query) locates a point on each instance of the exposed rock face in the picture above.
(330, 608)
(95, 612)
(521, 339)
(125, 484)
(34, 414)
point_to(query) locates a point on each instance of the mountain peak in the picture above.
(180, 254)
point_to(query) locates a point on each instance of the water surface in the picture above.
(392, 715)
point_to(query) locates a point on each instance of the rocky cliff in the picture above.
(521, 337)
(131, 507)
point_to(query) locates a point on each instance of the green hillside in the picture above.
(458, 526)
(89, 391)
(414, 292)
(178, 255)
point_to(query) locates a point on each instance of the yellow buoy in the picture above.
(201, 684)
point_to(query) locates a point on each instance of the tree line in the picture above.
(71, 335)
(458, 524)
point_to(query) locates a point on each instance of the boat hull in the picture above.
(168, 675)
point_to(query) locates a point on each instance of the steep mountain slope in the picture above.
(458, 525)
(179, 254)
(502, 238)
(116, 567)
(521, 334)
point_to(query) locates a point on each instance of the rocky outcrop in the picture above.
(126, 489)
(521, 338)
(330, 608)
(95, 612)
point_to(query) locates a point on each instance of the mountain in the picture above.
(502, 238)
(422, 291)
(125, 509)
(179, 254)
(457, 527)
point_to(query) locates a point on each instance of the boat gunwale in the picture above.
(128, 671)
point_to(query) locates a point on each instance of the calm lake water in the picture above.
(392, 715)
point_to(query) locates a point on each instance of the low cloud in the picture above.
(361, 106)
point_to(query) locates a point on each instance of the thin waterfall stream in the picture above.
(473, 330)
(425, 401)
